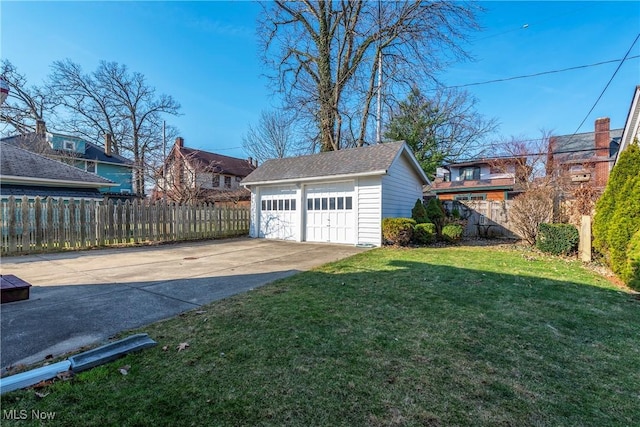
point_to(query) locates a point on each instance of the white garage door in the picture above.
(278, 216)
(330, 213)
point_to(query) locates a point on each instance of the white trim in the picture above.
(319, 179)
(11, 179)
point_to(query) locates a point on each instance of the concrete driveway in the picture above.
(83, 298)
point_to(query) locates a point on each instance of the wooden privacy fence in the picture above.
(485, 218)
(42, 225)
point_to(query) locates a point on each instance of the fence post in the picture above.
(584, 247)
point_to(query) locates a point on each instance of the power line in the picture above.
(608, 83)
(547, 72)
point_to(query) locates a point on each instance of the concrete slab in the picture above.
(83, 298)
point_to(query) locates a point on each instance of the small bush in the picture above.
(631, 273)
(436, 214)
(419, 213)
(557, 239)
(452, 232)
(424, 233)
(397, 231)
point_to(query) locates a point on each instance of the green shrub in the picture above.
(436, 214)
(452, 232)
(557, 239)
(455, 213)
(617, 217)
(424, 233)
(397, 231)
(419, 213)
(631, 273)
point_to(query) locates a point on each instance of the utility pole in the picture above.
(379, 100)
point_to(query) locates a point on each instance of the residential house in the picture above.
(85, 155)
(24, 173)
(197, 175)
(631, 130)
(337, 196)
(584, 158)
(480, 179)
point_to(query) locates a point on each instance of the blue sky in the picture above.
(205, 55)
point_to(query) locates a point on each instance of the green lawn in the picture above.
(481, 336)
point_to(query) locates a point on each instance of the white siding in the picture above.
(401, 187)
(369, 214)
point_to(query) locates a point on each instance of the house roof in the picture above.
(217, 162)
(18, 166)
(579, 147)
(485, 161)
(475, 184)
(373, 160)
(38, 143)
(44, 191)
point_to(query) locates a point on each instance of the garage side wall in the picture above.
(401, 187)
(369, 212)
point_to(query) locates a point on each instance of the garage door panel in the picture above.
(278, 215)
(330, 213)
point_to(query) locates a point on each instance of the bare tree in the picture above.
(116, 101)
(527, 157)
(530, 209)
(326, 55)
(441, 128)
(25, 105)
(272, 137)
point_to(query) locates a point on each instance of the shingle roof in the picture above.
(352, 161)
(38, 144)
(581, 146)
(221, 164)
(16, 162)
(55, 192)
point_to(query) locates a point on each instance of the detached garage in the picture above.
(337, 196)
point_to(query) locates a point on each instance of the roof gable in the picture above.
(374, 159)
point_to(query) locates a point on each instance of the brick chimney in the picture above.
(41, 127)
(602, 140)
(180, 142)
(107, 144)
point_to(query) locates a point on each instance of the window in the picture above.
(215, 181)
(227, 182)
(340, 203)
(348, 201)
(470, 173)
(279, 204)
(470, 196)
(69, 145)
(447, 177)
(91, 167)
(332, 203)
(309, 204)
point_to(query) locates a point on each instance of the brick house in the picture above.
(584, 158)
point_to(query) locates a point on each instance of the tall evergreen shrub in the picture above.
(419, 213)
(617, 216)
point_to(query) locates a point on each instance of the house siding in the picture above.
(121, 175)
(368, 193)
(401, 187)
